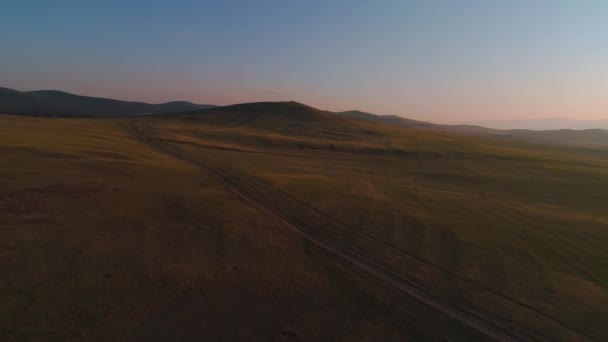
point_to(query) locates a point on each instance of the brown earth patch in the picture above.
(35, 200)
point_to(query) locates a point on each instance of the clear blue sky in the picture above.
(432, 60)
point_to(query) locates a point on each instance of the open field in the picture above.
(104, 233)
(101, 237)
(514, 229)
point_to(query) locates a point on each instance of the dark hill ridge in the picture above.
(277, 116)
(389, 119)
(296, 117)
(292, 113)
(290, 118)
(59, 103)
(248, 113)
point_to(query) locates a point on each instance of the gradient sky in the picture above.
(445, 61)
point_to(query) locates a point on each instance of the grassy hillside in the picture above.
(100, 221)
(514, 229)
(58, 103)
(389, 119)
(54, 103)
(104, 238)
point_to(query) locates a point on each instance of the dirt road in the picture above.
(324, 232)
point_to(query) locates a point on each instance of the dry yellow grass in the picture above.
(104, 236)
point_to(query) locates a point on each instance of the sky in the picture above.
(442, 61)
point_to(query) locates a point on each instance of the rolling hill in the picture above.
(58, 103)
(497, 225)
(280, 221)
(389, 119)
(61, 104)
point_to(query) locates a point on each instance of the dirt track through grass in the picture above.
(327, 233)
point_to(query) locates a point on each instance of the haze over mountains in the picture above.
(583, 137)
(542, 124)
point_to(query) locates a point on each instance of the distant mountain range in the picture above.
(543, 124)
(287, 114)
(59, 103)
(540, 131)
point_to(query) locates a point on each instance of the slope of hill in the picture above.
(58, 103)
(117, 241)
(492, 223)
(390, 119)
(258, 113)
(269, 114)
(181, 225)
(593, 138)
(411, 123)
(284, 117)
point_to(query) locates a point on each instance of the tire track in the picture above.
(324, 232)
